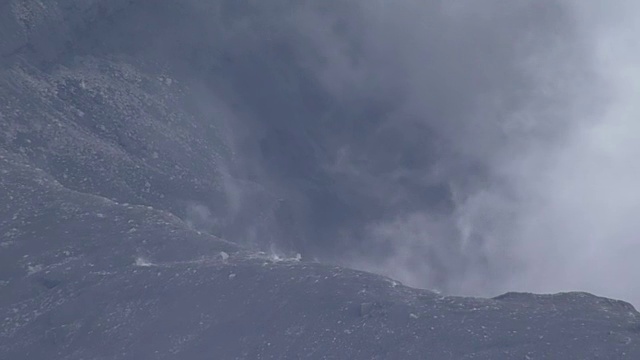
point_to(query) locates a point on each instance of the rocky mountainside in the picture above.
(133, 226)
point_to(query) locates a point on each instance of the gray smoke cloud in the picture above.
(578, 230)
(444, 102)
(470, 146)
(556, 204)
(521, 116)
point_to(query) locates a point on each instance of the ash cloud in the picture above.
(471, 146)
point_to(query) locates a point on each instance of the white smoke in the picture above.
(579, 230)
(473, 146)
(558, 210)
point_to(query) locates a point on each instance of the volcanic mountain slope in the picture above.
(102, 154)
(87, 277)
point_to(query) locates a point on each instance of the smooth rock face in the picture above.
(104, 159)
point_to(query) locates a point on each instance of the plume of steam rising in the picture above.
(559, 205)
(579, 230)
(475, 147)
